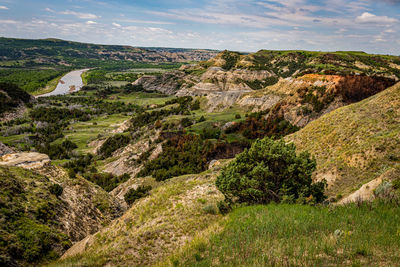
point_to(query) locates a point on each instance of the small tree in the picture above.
(270, 171)
(133, 194)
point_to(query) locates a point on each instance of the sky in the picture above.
(326, 25)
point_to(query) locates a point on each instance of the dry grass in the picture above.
(355, 144)
(155, 226)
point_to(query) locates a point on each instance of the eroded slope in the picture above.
(355, 144)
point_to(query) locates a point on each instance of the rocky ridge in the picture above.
(292, 80)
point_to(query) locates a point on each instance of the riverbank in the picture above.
(50, 87)
(63, 84)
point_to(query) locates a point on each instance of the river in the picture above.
(70, 82)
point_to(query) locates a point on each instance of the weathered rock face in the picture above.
(216, 79)
(5, 149)
(126, 157)
(259, 103)
(235, 79)
(167, 83)
(26, 160)
(87, 207)
(306, 98)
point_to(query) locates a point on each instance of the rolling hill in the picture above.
(25, 52)
(357, 143)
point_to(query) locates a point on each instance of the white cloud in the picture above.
(3, 8)
(287, 24)
(146, 21)
(8, 21)
(80, 15)
(367, 17)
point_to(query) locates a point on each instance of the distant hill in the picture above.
(60, 52)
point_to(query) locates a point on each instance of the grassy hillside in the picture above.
(154, 227)
(356, 143)
(28, 203)
(293, 235)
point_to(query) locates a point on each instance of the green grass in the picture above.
(294, 235)
(51, 86)
(155, 226)
(29, 231)
(83, 133)
(356, 143)
(13, 140)
(144, 99)
(31, 79)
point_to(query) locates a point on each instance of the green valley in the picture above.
(189, 157)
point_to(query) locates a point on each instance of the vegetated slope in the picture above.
(60, 52)
(43, 211)
(12, 97)
(29, 232)
(154, 227)
(301, 85)
(37, 64)
(355, 144)
(298, 235)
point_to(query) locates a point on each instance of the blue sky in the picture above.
(327, 25)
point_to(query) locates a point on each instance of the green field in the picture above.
(294, 235)
(82, 133)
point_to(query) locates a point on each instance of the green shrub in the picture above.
(186, 122)
(270, 171)
(223, 207)
(71, 173)
(112, 144)
(231, 58)
(201, 119)
(180, 155)
(29, 234)
(210, 133)
(210, 209)
(107, 181)
(396, 184)
(59, 151)
(257, 126)
(56, 189)
(196, 105)
(135, 194)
